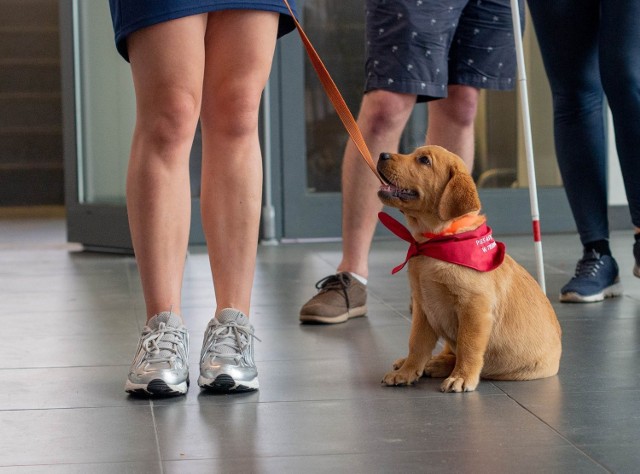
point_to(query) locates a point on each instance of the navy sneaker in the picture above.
(596, 278)
(636, 254)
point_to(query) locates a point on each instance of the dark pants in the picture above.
(591, 49)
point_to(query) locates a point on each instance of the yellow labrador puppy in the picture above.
(492, 316)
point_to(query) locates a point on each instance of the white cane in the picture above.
(528, 143)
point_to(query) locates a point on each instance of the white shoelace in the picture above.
(229, 340)
(151, 343)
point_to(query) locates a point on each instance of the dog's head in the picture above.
(431, 186)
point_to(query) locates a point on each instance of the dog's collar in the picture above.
(470, 220)
(474, 249)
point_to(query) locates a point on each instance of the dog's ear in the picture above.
(459, 197)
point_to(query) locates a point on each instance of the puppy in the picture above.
(492, 316)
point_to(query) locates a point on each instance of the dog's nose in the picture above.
(385, 156)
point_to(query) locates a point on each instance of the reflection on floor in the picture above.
(70, 323)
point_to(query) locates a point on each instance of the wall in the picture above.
(30, 104)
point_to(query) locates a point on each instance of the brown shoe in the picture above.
(339, 298)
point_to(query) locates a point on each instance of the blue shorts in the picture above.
(131, 15)
(421, 46)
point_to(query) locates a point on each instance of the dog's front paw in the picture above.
(457, 383)
(401, 377)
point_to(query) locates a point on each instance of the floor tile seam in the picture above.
(617, 444)
(321, 357)
(434, 395)
(587, 391)
(54, 367)
(555, 430)
(67, 335)
(133, 279)
(61, 292)
(557, 270)
(631, 297)
(60, 464)
(156, 435)
(128, 405)
(396, 312)
(579, 319)
(284, 326)
(390, 451)
(614, 352)
(21, 310)
(397, 321)
(578, 447)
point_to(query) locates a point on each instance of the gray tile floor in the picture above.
(70, 323)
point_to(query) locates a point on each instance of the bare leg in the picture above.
(235, 75)
(383, 115)
(451, 122)
(167, 62)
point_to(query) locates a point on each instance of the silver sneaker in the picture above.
(160, 367)
(226, 360)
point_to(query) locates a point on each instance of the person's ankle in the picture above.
(360, 278)
(600, 246)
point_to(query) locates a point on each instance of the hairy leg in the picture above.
(383, 115)
(451, 122)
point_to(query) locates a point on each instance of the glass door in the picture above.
(99, 114)
(313, 138)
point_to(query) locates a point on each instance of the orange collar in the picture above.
(470, 220)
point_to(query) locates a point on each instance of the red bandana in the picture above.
(474, 249)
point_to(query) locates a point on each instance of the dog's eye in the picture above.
(425, 160)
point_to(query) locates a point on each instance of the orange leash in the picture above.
(335, 97)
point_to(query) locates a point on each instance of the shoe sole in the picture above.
(156, 388)
(224, 383)
(609, 292)
(341, 318)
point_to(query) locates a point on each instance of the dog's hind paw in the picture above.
(399, 363)
(440, 366)
(459, 384)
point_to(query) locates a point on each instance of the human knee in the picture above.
(383, 111)
(575, 104)
(233, 111)
(460, 107)
(170, 120)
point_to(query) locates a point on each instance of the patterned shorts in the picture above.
(420, 46)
